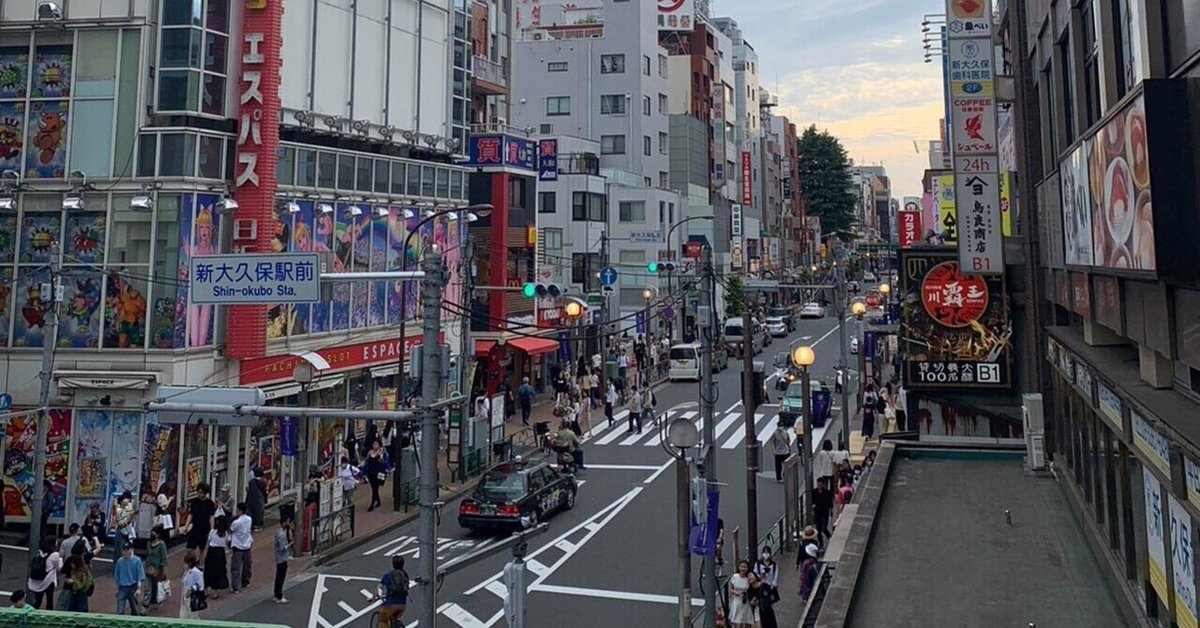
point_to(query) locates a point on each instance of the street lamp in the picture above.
(804, 357)
(858, 309)
(677, 437)
(885, 288)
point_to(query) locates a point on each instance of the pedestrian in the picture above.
(43, 574)
(241, 542)
(192, 599)
(156, 566)
(256, 497)
(649, 401)
(822, 506)
(164, 509)
(845, 493)
(870, 402)
(635, 409)
(741, 612)
(94, 528)
(781, 447)
(17, 600)
(840, 381)
(760, 599)
(768, 572)
(376, 470)
(483, 406)
(639, 353)
(123, 521)
(74, 537)
(585, 388)
(283, 554)
(78, 586)
(808, 571)
(610, 400)
(826, 460)
(525, 394)
(349, 475)
(129, 574)
(201, 512)
(216, 562)
(225, 501)
(622, 364)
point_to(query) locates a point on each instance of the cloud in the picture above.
(856, 69)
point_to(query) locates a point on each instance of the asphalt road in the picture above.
(610, 561)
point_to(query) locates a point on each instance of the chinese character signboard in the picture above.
(974, 143)
(1183, 564)
(957, 327)
(246, 278)
(646, 237)
(735, 220)
(1155, 551)
(947, 212)
(747, 179)
(910, 227)
(1151, 442)
(548, 160)
(676, 15)
(503, 150)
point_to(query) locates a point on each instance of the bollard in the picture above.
(1008, 516)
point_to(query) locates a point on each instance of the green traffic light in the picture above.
(652, 267)
(529, 290)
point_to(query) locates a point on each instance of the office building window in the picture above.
(646, 145)
(193, 50)
(662, 66)
(589, 206)
(547, 203)
(664, 179)
(663, 104)
(612, 144)
(662, 143)
(645, 105)
(612, 64)
(558, 105)
(557, 66)
(631, 211)
(612, 104)
(646, 65)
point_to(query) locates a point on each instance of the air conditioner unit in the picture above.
(546, 129)
(1033, 420)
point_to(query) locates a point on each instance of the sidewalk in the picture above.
(368, 526)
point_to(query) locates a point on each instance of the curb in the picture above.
(341, 549)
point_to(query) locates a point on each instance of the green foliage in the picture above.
(734, 297)
(825, 179)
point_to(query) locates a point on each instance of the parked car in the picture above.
(786, 314)
(791, 406)
(777, 327)
(870, 277)
(812, 310)
(514, 495)
(735, 338)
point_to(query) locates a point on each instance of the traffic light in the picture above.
(575, 307)
(657, 267)
(652, 267)
(541, 290)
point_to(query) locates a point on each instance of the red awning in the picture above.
(482, 347)
(534, 346)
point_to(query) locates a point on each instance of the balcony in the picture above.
(579, 163)
(489, 77)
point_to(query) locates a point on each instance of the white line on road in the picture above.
(654, 476)
(624, 596)
(461, 616)
(724, 424)
(624, 467)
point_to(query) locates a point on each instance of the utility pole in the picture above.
(706, 326)
(466, 353)
(602, 339)
(431, 359)
(748, 408)
(840, 307)
(50, 295)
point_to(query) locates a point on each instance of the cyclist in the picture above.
(393, 590)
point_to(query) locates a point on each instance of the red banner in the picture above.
(258, 139)
(278, 368)
(910, 228)
(747, 180)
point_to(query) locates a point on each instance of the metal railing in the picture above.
(29, 618)
(488, 70)
(332, 528)
(579, 163)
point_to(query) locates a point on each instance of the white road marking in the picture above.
(656, 440)
(498, 589)
(624, 596)
(767, 429)
(654, 476)
(616, 431)
(536, 567)
(725, 423)
(461, 616)
(623, 467)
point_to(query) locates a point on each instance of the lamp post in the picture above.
(673, 227)
(803, 357)
(677, 437)
(859, 309)
(468, 214)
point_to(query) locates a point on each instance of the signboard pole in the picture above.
(49, 343)
(428, 486)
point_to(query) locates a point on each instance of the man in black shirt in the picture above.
(201, 510)
(822, 506)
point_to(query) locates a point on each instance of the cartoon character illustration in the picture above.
(200, 316)
(35, 308)
(87, 241)
(128, 305)
(4, 292)
(51, 127)
(11, 141)
(304, 241)
(282, 229)
(86, 300)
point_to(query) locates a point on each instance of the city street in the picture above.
(617, 545)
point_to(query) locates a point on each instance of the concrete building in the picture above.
(747, 136)
(324, 124)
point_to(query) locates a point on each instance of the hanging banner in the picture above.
(702, 541)
(1155, 550)
(1183, 564)
(548, 160)
(910, 227)
(747, 180)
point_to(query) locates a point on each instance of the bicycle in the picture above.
(373, 621)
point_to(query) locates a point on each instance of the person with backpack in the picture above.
(43, 575)
(393, 590)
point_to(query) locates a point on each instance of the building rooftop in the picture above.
(943, 552)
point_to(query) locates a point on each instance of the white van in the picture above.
(734, 337)
(685, 362)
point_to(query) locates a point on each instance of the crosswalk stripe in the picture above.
(729, 419)
(767, 429)
(615, 431)
(738, 436)
(657, 438)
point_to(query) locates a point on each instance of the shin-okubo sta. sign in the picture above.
(255, 278)
(973, 135)
(956, 327)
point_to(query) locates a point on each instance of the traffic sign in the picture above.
(608, 276)
(874, 299)
(607, 291)
(5, 401)
(255, 278)
(668, 313)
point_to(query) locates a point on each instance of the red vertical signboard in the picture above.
(910, 227)
(747, 180)
(258, 138)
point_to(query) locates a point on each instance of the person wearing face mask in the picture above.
(768, 589)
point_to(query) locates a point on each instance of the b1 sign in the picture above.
(255, 278)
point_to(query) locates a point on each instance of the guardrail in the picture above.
(331, 528)
(31, 618)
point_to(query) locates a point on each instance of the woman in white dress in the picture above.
(741, 613)
(192, 585)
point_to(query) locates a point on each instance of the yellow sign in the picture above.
(1006, 203)
(947, 211)
(256, 4)
(971, 89)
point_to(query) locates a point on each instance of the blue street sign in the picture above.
(669, 313)
(640, 317)
(5, 401)
(608, 276)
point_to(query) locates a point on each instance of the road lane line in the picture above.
(654, 476)
(314, 611)
(657, 438)
(724, 424)
(739, 434)
(461, 616)
(536, 567)
(617, 429)
(498, 589)
(624, 467)
(624, 596)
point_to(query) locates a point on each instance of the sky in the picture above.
(854, 68)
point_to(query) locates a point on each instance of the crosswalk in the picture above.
(730, 428)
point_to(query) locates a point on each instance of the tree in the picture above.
(734, 296)
(825, 179)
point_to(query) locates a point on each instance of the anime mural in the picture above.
(195, 458)
(125, 310)
(199, 225)
(39, 234)
(46, 139)
(343, 260)
(21, 438)
(283, 318)
(360, 230)
(12, 133)
(395, 235)
(14, 72)
(52, 72)
(160, 452)
(93, 453)
(322, 241)
(378, 262)
(8, 238)
(453, 259)
(32, 306)
(80, 314)
(6, 293)
(125, 463)
(84, 240)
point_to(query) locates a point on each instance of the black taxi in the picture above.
(517, 494)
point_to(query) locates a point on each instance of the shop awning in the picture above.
(387, 370)
(534, 346)
(482, 347)
(279, 391)
(106, 380)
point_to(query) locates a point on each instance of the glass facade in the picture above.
(193, 54)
